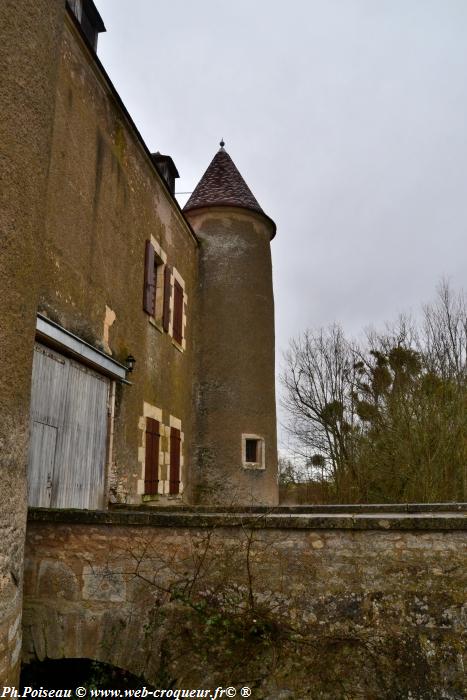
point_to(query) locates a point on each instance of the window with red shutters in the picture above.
(167, 294)
(177, 326)
(175, 441)
(154, 284)
(151, 472)
(149, 291)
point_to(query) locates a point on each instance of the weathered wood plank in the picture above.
(41, 467)
(67, 461)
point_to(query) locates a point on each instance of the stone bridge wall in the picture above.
(295, 603)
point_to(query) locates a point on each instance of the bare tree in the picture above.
(318, 382)
(386, 421)
(445, 333)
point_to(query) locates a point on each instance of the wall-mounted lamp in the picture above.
(130, 363)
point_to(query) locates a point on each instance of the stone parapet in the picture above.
(294, 603)
(376, 517)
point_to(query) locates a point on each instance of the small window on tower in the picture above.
(253, 452)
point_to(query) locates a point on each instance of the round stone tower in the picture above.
(235, 438)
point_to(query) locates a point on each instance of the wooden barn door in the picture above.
(49, 378)
(69, 417)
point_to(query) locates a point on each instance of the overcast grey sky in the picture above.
(347, 118)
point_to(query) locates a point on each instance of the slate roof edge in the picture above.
(241, 207)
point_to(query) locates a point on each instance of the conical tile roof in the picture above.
(222, 185)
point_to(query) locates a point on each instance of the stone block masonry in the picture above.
(295, 603)
(29, 50)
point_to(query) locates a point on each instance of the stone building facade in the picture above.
(114, 389)
(138, 422)
(127, 274)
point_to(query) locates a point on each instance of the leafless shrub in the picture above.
(386, 420)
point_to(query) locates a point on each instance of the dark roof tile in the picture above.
(222, 185)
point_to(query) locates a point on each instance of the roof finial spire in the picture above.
(222, 143)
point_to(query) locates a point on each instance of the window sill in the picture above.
(154, 323)
(179, 347)
(162, 499)
(255, 466)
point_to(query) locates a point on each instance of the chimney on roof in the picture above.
(89, 19)
(166, 169)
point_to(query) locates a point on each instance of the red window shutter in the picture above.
(178, 313)
(151, 471)
(175, 441)
(167, 293)
(149, 279)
